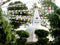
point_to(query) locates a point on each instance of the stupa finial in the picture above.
(35, 5)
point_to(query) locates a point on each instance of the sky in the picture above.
(29, 3)
(57, 2)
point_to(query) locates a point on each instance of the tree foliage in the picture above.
(54, 19)
(56, 33)
(23, 37)
(41, 33)
(17, 9)
(5, 30)
(43, 41)
(23, 33)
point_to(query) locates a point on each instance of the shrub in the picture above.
(21, 41)
(31, 43)
(56, 33)
(23, 37)
(41, 33)
(23, 33)
(43, 40)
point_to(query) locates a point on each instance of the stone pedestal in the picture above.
(32, 37)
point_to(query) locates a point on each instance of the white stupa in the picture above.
(36, 24)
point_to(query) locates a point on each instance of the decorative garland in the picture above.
(22, 19)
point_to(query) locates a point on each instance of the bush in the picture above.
(23, 33)
(23, 37)
(56, 33)
(43, 40)
(31, 43)
(41, 33)
(21, 41)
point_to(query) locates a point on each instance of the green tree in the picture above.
(5, 30)
(55, 24)
(19, 9)
(54, 18)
